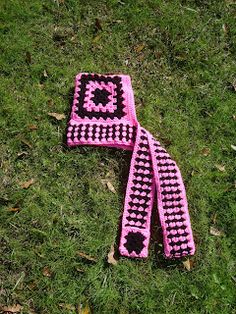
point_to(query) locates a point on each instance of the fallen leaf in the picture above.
(84, 309)
(96, 38)
(14, 209)
(45, 73)
(139, 48)
(58, 116)
(16, 308)
(32, 127)
(220, 167)
(205, 151)
(111, 187)
(110, 256)
(216, 232)
(233, 147)
(86, 256)
(27, 143)
(27, 184)
(187, 264)
(47, 272)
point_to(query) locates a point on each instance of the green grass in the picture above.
(182, 81)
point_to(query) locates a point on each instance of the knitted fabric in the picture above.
(103, 114)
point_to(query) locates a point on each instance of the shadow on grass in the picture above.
(70, 97)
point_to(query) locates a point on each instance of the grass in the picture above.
(183, 81)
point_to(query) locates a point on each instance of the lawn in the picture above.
(181, 56)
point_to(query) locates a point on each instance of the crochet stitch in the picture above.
(103, 114)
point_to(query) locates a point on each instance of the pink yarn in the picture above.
(103, 114)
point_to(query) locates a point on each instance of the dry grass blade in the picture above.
(27, 143)
(79, 270)
(111, 187)
(86, 256)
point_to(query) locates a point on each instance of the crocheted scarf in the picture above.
(103, 114)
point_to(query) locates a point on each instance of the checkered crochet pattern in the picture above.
(103, 114)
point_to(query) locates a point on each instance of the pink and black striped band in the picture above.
(103, 114)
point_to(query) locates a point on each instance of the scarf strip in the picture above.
(103, 114)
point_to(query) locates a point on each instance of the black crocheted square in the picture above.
(134, 242)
